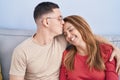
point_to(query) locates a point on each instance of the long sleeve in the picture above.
(110, 73)
(110, 70)
(63, 75)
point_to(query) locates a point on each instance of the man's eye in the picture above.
(60, 19)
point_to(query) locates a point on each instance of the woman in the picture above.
(86, 58)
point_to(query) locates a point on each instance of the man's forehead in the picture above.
(57, 12)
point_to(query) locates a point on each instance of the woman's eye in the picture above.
(70, 30)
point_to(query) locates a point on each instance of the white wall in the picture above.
(102, 15)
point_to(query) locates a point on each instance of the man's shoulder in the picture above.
(24, 43)
(61, 39)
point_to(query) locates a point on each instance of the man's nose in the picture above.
(62, 21)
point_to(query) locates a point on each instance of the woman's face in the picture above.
(71, 34)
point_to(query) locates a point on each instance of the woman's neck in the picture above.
(82, 49)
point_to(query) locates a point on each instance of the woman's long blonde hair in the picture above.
(94, 58)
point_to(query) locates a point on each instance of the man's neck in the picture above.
(43, 38)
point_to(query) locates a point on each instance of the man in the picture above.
(39, 57)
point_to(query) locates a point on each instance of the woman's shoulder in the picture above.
(105, 46)
(67, 50)
(106, 51)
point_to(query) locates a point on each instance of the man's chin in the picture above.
(60, 33)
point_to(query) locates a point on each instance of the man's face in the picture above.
(55, 22)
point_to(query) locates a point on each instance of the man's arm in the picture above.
(104, 40)
(13, 77)
(18, 65)
(115, 53)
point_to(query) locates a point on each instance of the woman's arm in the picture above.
(115, 53)
(110, 70)
(110, 66)
(62, 73)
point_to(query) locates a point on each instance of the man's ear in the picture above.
(45, 22)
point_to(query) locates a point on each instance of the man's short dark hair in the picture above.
(44, 8)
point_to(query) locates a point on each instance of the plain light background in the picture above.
(102, 15)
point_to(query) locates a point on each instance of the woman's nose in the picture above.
(68, 35)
